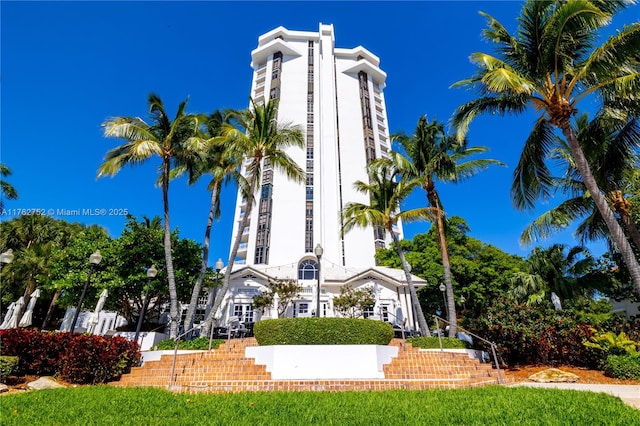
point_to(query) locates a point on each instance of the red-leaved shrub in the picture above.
(75, 358)
(535, 335)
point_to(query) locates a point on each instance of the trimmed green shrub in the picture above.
(7, 364)
(622, 366)
(200, 343)
(434, 343)
(322, 331)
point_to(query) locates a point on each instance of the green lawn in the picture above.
(106, 405)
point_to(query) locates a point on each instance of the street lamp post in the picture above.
(443, 289)
(219, 266)
(151, 274)
(463, 301)
(318, 252)
(94, 259)
(6, 258)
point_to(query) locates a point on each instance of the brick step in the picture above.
(226, 369)
(313, 385)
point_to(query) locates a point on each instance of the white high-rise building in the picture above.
(336, 96)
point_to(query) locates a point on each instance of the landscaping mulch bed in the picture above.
(521, 374)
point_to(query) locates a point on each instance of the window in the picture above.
(308, 270)
(368, 312)
(309, 192)
(309, 179)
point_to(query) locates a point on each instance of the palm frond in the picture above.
(531, 177)
(466, 113)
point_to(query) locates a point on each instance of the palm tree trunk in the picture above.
(188, 322)
(433, 200)
(52, 306)
(422, 322)
(451, 304)
(173, 294)
(232, 257)
(603, 207)
(627, 221)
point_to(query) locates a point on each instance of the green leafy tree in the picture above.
(256, 136)
(554, 64)
(70, 269)
(352, 302)
(170, 140)
(387, 189)
(7, 191)
(286, 290)
(139, 246)
(479, 271)
(433, 155)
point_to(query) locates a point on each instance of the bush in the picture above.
(322, 331)
(7, 364)
(94, 359)
(434, 343)
(200, 343)
(535, 335)
(75, 358)
(622, 366)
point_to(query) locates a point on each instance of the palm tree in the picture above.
(550, 270)
(6, 189)
(255, 135)
(433, 155)
(552, 64)
(387, 190)
(223, 167)
(611, 148)
(169, 140)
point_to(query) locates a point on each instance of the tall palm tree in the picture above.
(433, 155)
(255, 135)
(550, 270)
(168, 139)
(6, 189)
(611, 147)
(223, 166)
(387, 190)
(553, 64)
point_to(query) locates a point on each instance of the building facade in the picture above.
(336, 96)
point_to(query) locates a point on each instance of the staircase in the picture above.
(226, 369)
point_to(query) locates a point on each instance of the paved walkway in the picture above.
(630, 394)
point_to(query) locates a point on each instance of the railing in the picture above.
(172, 377)
(491, 344)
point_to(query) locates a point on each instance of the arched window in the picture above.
(308, 270)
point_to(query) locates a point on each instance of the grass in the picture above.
(106, 405)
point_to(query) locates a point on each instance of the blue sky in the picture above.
(67, 66)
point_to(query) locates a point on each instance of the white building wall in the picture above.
(339, 146)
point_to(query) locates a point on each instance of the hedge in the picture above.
(322, 331)
(434, 343)
(622, 366)
(7, 364)
(199, 343)
(76, 358)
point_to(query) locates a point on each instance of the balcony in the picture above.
(242, 248)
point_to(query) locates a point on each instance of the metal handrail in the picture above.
(172, 378)
(492, 344)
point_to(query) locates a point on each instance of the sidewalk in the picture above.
(629, 394)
